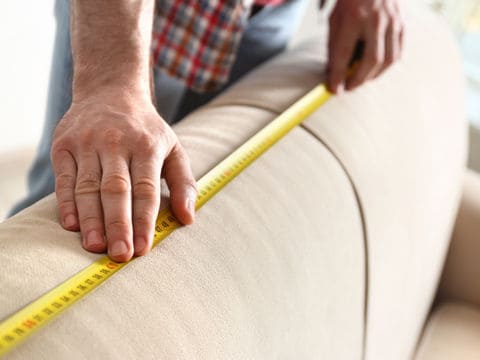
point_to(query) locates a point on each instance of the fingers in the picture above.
(108, 179)
(342, 41)
(182, 185)
(65, 178)
(117, 206)
(378, 25)
(399, 29)
(393, 41)
(145, 173)
(88, 201)
(391, 48)
(373, 57)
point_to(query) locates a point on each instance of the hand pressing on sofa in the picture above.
(111, 147)
(108, 153)
(376, 23)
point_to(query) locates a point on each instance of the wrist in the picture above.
(119, 88)
(125, 77)
(111, 47)
(119, 98)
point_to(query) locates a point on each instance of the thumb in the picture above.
(182, 185)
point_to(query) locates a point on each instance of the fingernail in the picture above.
(191, 201)
(140, 244)
(191, 206)
(118, 248)
(340, 88)
(93, 239)
(70, 221)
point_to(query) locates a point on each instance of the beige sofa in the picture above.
(453, 329)
(330, 246)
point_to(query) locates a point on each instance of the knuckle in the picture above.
(359, 78)
(398, 26)
(121, 226)
(180, 153)
(65, 181)
(65, 206)
(59, 150)
(143, 221)
(389, 59)
(115, 184)
(336, 71)
(113, 138)
(378, 20)
(58, 146)
(61, 129)
(391, 12)
(88, 183)
(358, 13)
(147, 144)
(145, 189)
(374, 59)
(86, 138)
(168, 137)
(90, 221)
(185, 184)
(339, 54)
(379, 59)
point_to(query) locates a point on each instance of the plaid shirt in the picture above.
(196, 40)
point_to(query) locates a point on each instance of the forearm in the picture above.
(111, 46)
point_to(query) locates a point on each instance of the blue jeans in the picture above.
(266, 35)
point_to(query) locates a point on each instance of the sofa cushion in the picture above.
(461, 274)
(452, 332)
(273, 267)
(402, 139)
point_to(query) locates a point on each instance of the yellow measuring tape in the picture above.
(37, 314)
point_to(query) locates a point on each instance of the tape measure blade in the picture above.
(258, 144)
(35, 315)
(47, 307)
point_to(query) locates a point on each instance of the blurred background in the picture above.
(27, 33)
(464, 17)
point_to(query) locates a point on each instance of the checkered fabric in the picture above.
(196, 40)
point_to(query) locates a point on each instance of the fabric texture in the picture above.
(453, 329)
(341, 227)
(403, 141)
(461, 275)
(266, 271)
(452, 332)
(196, 41)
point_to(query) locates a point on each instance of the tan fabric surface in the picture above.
(272, 269)
(461, 276)
(452, 332)
(403, 141)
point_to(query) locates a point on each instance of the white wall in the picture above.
(26, 40)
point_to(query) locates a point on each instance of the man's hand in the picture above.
(108, 156)
(375, 22)
(111, 147)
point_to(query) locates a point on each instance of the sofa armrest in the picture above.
(461, 275)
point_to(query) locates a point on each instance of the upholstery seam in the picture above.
(364, 230)
(355, 192)
(243, 103)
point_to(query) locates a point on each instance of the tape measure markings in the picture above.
(38, 313)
